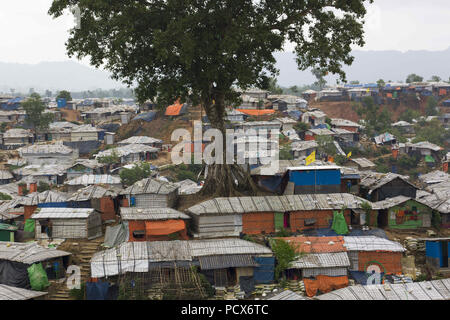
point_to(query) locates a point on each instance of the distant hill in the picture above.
(370, 66)
(54, 76)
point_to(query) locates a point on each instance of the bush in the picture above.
(4, 196)
(43, 186)
(135, 174)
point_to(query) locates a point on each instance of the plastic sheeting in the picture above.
(116, 235)
(160, 228)
(339, 224)
(324, 284)
(14, 274)
(362, 277)
(38, 277)
(29, 226)
(97, 290)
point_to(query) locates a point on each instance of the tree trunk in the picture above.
(225, 180)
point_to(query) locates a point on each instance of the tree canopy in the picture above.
(34, 108)
(64, 95)
(202, 50)
(414, 78)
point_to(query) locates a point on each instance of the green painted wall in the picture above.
(406, 222)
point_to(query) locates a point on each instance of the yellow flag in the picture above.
(349, 155)
(311, 158)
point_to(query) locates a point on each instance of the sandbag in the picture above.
(38, 277)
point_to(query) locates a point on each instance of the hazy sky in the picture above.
(29, 35)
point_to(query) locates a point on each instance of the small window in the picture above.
(139, 234)
(310, 222)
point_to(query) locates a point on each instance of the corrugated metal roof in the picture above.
(371, 243)
(33, 199)
(375, 180)
(278, 204)
(56, 148)
(126, 150)
(13, 293)
(89, 163)
(140, 140)
(136, 256)
(92, 192)
(303, 145)
(321, 260)
(89, 179)
(364, 163)
(151, 214)
(28, 253)
(62, 213)
(344, 123)
(228, 261)
(150, 186)
(18, 133)
(5, 175)
(434, 177)
(45, 170)
(281, 168)
(288, 295)
(429, 290)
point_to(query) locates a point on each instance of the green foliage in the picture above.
(286, 154)
(135, 174)
(64, 95)
(301, 126)
(283, 233)
(111, 159)
(43, 186)
(340, 160)
(202, 50)
(435, 79)
(78, 294)
(320, 77)
(185, 174)
(431, 131)
(166, 56)
(431, 106)
(367, 207)
(273, 87)
(326, 145)
(414, 78)
(4, 196)
(381, 83)
(409, 115)
(285, 254)
(377, 120)
(436, 220)
(34, 108)
(3, 126)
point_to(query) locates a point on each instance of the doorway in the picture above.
(382, 219)
(444, 247)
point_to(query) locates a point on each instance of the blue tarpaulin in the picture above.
(264, 273)
(362, 277)
(147, 116)
(315, 177)
(97, 290)
(54, 205)
(61, 102)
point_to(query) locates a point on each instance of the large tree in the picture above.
(36, 117)
(203, 49)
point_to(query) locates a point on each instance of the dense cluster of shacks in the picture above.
(334, 215)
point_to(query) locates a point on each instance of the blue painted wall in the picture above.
(434, 250)
(315, 177)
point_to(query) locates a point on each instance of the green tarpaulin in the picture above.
(29, 226)
(339, 224)
(279, 221)
(38, 277)
(429, 159)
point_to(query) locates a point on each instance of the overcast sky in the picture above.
(29, 35)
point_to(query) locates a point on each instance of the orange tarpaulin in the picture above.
(389, 95)
(175, 109)
(161, 228)
(255, 112)
(442, 92)
(324, 284)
